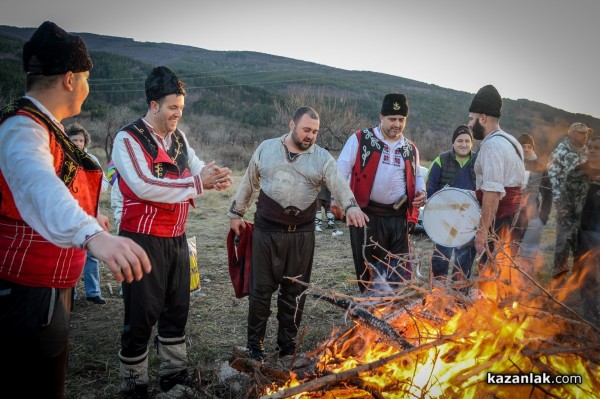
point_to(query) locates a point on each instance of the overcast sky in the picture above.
(542, 50)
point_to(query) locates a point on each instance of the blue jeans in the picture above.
(463, 260)
(91, 277)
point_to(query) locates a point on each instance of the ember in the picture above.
(430, 340)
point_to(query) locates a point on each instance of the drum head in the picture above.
(451, 217)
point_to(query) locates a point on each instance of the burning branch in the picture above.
(334, 379)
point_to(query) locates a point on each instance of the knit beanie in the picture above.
(161, 82)
(487, 101)
(394, 104)
(526, 139)
(52, 51)
(462, 129)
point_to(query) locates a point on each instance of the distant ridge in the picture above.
(224, 78)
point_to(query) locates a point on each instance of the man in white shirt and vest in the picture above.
(49, 193)
(159, 177)
(384, 172)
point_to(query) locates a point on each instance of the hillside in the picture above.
(240, 88)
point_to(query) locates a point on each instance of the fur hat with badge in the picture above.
(394, 104)
(462, 129)
(161, 82)
(52, 51)
(487, 101)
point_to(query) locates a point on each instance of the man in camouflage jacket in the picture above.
(579, 213)
(570, 152)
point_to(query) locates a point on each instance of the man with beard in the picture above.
(49, 194)
(499, 172)
(384, 173)
(159, 176)
(283, 239)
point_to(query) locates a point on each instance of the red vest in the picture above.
(27, 258)
(366, 164)
(148, 217)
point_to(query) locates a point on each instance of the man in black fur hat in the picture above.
(49, 193)
(159, 177)
(384, 173)
(499, 173)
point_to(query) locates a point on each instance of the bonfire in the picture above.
(501, 335)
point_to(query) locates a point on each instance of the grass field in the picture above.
(217, 320)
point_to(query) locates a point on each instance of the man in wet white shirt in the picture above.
(283, 240)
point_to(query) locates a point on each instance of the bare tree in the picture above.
(8, 97)
(116, 117)
(338, 116)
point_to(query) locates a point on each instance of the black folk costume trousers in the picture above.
(34, 332)
(276, 255)
(389, 229)
(162, 297)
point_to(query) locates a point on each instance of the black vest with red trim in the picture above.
(156, 218)
(27, 258)
(366, 164)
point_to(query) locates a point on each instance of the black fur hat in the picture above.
(487, 101)
(394, 104)
(161, 82)
(52, 51)
(462, 129)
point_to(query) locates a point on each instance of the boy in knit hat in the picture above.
(453, 168)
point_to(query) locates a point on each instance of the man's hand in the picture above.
(480, 241)
(216, 177)
(237, 224)
(356, 217)
(126, 260)
(103, 221)
(420, 198)
(336, 210)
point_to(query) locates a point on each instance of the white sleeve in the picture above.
(347, 157)
(130, 162)
(42, 198)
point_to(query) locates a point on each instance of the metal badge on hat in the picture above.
(396, 106)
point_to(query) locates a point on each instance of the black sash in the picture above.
(271, 216)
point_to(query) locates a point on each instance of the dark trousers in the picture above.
(463, 261)
(564, 246)
(585, 268)
(34, 331)
(276, 255)
(391, 233)
(162, 296)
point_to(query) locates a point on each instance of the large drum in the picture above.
(451, 217)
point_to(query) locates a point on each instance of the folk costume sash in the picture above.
(367, 162)
(28, 258)
(509, 204)
(155, 218)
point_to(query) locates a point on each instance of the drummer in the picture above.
(453, 168)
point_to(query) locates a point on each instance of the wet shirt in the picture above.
(290, 180)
